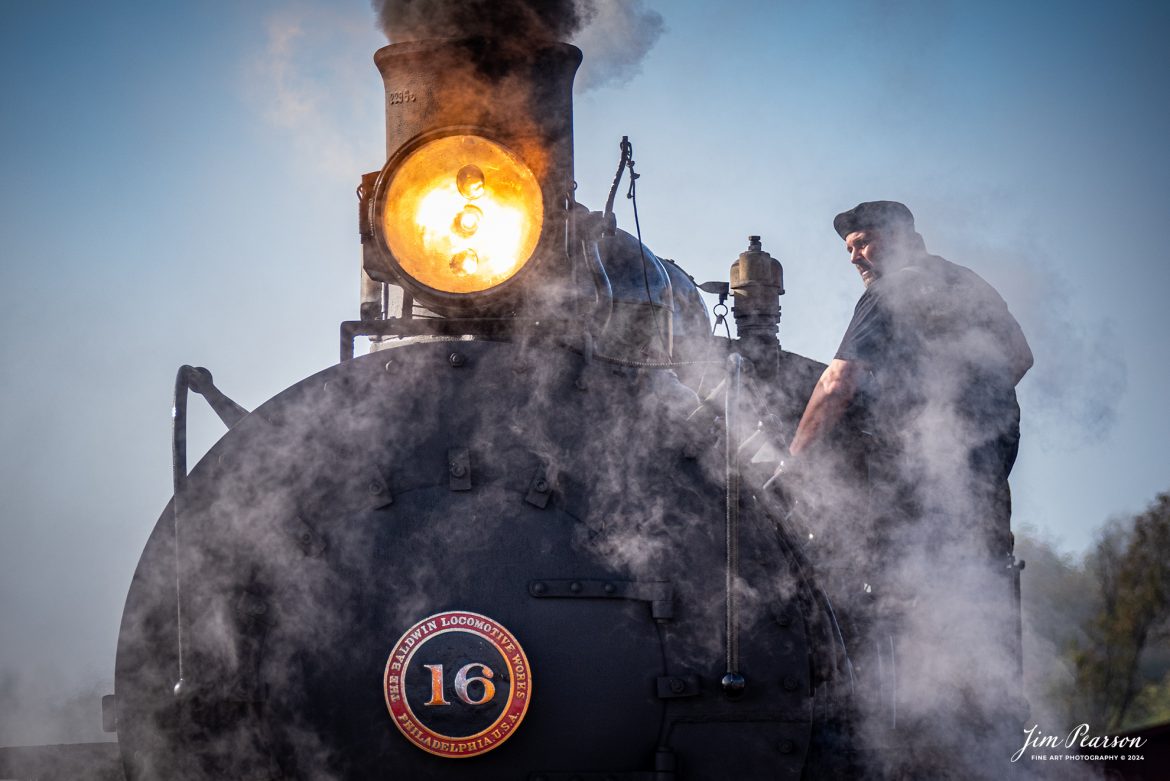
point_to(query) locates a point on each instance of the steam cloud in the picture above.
(614, 34)
(323, 110)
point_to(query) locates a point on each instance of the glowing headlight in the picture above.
(462, 214)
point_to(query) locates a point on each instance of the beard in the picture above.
(869, 275)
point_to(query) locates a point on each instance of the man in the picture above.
(927, 370)
(930, 360)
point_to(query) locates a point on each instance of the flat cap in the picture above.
(873, 215)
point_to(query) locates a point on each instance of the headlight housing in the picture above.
(455, 216)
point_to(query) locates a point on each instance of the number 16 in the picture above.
(461, 684)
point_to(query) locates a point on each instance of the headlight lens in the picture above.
(462, 214)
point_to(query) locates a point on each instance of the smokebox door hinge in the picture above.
(659, 593)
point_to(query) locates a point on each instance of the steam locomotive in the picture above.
(525, 535)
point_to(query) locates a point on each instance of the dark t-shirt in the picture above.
(935, 334)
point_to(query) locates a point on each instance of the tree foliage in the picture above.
(1121, 660)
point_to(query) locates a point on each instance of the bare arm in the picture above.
(830, 398)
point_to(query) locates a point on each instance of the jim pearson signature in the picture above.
(1079, 736)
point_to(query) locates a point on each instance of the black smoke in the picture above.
(615, 35)
(413, 20)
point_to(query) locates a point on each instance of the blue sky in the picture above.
(176, 186)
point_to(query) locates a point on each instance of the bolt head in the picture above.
(456, 359)
(539, 588)
(575, 587)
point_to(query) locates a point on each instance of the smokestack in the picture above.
(521, 97)
(500, 116)
(485, 88)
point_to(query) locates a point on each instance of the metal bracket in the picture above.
(459, 468)
(539, 489)
(672, 687)
(659, 593)
(252, 611)
(310, 541)
(199, 380)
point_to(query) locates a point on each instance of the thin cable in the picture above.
(632, 196)
(179, 479)
(732, 570)
(839, 636)
(894, 684)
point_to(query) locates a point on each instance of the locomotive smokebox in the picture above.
(475, 193)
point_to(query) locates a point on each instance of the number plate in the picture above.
(457, 684)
